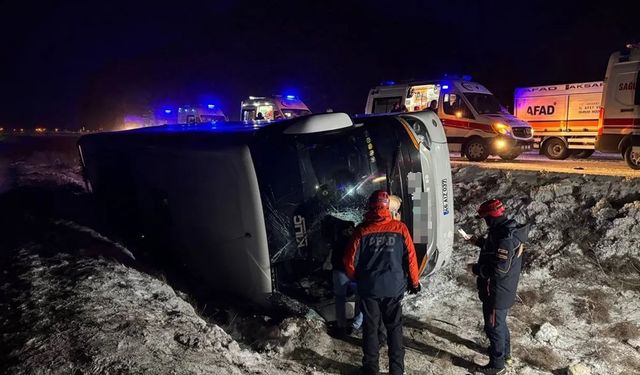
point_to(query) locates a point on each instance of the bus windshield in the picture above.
(484, 104)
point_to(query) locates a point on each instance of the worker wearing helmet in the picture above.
(381, 258)
(498, 273)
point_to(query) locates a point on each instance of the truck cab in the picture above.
(619, 121)
(277, 107)
(474, 121)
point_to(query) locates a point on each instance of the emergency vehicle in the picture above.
(243, 207)
(277, 107)
(474, 121)
(619, 122)
(564, 117)
(189, 114)
(208, 113)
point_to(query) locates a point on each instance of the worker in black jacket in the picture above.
(498, 272)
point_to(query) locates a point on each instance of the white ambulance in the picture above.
(474, 121)
(197, 114)
(564, 117)
(619, 124)
(277, 107)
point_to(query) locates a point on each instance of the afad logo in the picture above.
(541, 110)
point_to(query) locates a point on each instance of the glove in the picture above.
(415, 289)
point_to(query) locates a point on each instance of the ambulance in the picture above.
(474, 121)
(196, 114)
(189, 114)
(277, 107)
(564, 117)
(619, 122)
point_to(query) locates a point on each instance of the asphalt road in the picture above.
(597, 164)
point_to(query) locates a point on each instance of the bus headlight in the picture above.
(501, 128)
(500, 144)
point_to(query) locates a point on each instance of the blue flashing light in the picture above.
(167, 111)
(291, 97)
(445, 87)
(211, 106)
(389, 83)
(466, 78)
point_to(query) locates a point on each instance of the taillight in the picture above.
(601, 122)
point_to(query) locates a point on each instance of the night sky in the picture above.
(71, 64)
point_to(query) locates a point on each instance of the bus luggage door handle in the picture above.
(626, 110)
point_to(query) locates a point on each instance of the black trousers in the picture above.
(389, 311)
(495, 326)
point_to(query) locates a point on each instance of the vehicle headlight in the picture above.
(501, 128)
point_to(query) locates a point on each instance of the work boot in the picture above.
(508, 360)
(487, 370)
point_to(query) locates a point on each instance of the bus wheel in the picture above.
(476, 149)
(555, 149)
(632, 158)
(583, 154)
(511, 155)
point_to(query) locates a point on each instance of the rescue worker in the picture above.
(337, 232)
(433, 106)
(498, 272)
(380, 257)
(394, 206)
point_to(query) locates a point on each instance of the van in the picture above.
(196, 114)
(564, 117)
(474, 121)
(619, 120)
(278, 107)
(242, 206)
(189, 114)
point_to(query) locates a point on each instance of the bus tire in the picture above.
(476, 149)
(555, 149)
(632, 158)
(582, 154)
(511, 155)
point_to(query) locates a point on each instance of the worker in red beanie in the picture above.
(498, 272)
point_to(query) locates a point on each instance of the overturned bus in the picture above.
(243, 206)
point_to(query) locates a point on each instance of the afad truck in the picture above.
(564, 117)
(474, 121)
(277, 107)
(619, 122)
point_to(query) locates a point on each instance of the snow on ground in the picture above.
(73, 300)
(578, 299)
